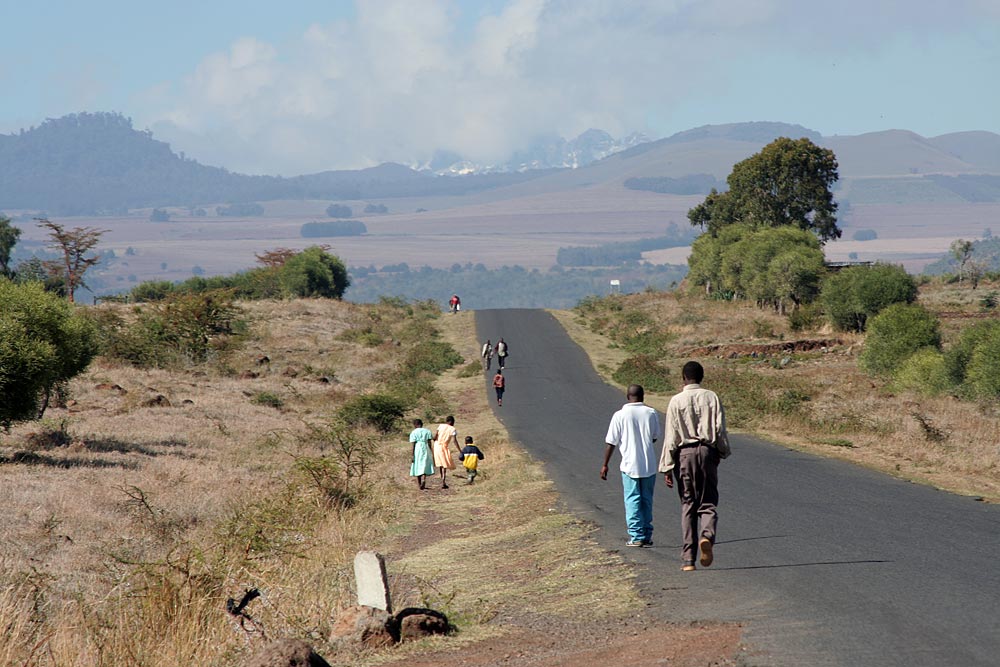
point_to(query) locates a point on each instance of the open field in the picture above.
(818, 400)
(527, 230)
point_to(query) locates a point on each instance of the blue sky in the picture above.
(307, 85)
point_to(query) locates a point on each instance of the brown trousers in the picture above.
(698, 486)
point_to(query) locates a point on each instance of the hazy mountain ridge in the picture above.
(97, 163)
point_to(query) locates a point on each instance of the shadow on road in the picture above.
(829, 562)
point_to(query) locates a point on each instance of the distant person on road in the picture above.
(471, 456)
(423, 460)
(455, 304)
(501, 353)
(487, 354)
(446, 436)
(695, 442)
(500, 385)
(633, 432)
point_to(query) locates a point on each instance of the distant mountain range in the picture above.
(547, 153)
(98, 163)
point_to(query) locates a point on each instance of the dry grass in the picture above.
(129, 525)
(121, 547)
(834, 409)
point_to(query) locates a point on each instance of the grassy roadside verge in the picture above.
(506, 527)
(813, 397)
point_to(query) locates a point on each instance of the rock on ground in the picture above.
(286, 653)
(365, 627)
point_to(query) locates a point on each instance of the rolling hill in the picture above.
(98, 164)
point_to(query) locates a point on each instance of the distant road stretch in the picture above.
(826, 563)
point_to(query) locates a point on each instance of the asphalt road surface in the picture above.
(825, 562)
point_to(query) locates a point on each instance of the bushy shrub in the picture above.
(804, 317)
(645, 370)
(895, 334)
(982, 375)
(43, 343)
(382, 411)
(431, 356)
(957, 358)
(152, 290)
(185, 328)
(855, 294)
(924, 372)
(314, 272)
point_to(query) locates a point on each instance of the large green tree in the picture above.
(777, 267)
(43, 343)
(787, 183)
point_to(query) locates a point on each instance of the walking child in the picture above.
(499, 384)
(422, 464)
(471, 456)
(445, 436)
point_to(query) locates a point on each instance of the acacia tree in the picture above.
(787, 183)
(961, 250)
(73, 244)
(8, 239)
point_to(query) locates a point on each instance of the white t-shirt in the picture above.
(633, 431)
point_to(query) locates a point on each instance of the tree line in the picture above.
(611, 254)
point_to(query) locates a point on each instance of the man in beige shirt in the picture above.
(695, 440)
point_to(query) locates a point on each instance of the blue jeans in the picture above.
(639, 506)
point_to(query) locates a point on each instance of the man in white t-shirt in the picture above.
(633, 431)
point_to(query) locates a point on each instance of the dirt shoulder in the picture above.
(523, 580)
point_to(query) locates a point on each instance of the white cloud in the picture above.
(403, 79)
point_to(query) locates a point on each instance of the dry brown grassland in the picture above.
(818, 401)
(128, 524)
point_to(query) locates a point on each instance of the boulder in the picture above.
(418, 626)
(364, 627)
(286, 653)
(158, 401)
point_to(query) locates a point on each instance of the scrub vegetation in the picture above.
(918, 387)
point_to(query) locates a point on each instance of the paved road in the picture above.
(827, 563)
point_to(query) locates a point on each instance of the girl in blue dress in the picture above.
(423, 460)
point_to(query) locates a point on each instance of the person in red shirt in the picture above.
(499, 383)
(455, 303)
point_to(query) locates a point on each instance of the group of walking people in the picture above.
(501, 350)
(432, 452)
(694, 441)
